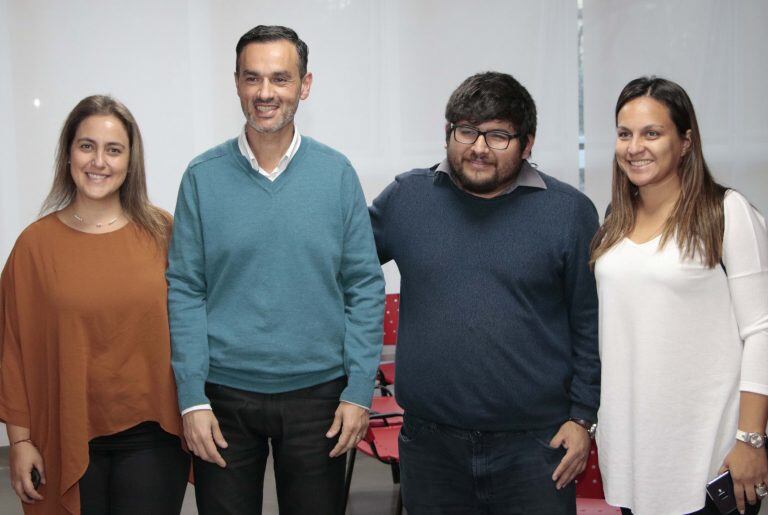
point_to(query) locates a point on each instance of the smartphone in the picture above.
(36, 478)
(720, 490)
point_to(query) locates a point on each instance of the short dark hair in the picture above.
(267, 33)
(493, 96)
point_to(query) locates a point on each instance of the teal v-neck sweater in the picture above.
(273, 286)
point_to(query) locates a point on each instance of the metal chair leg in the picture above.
(348, 479)
(399, 507)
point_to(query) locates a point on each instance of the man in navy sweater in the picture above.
(497, 356)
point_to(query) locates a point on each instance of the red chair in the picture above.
(586, 506)
(380, 442)
(386, 418)
(385, 411)
(386, 372)
(391, 318)
(590, 498)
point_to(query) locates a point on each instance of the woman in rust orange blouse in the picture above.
(86, 388)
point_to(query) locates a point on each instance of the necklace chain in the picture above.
(99, 225)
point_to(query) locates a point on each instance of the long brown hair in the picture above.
(133, 192)
(696, 220)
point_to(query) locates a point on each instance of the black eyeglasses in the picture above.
(497, 140)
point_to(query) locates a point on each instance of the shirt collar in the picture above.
(245, 150)
(528, 176)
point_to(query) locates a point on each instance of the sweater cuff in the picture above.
(583, 412)
(196, 407)
(191, 393)
(359, 391)
(353, 404)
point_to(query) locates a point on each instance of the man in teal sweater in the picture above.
(275, 299)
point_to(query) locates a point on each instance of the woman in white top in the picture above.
(682, 272)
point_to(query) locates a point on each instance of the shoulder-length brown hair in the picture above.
(133, 192)
(696, 220)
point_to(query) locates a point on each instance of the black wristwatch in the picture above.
(588, 425)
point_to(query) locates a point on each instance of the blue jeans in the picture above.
(445, 470)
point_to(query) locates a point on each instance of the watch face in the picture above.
(756, 440)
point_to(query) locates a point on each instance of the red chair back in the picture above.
(391, 317)
(589, 484)
(381, 443)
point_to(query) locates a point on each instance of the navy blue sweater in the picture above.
(498, 313)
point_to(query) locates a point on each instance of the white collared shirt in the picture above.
(245, 149)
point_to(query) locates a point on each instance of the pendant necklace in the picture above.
(82, 220)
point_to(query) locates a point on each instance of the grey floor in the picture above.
(372, 490)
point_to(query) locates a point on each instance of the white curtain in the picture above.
(715, 49)
(10, 213)
(383, 72)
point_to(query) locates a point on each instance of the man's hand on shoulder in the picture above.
(576, 441)
(201, 430)
(352, 421)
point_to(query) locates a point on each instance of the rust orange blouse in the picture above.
(84, 345)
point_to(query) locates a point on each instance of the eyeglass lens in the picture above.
(496, 140)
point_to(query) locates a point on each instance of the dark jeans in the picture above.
(308, 480)
(140, 470)
(445, 470)
(710, 509)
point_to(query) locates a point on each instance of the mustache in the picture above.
(476, 157)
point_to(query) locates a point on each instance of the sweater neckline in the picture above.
(283, 178)
(475, 198)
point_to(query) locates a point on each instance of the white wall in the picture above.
(383, 71)
(382, 74)
(716, 50)
(9, 189)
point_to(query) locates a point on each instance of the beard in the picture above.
(488, 182)
(285, 116)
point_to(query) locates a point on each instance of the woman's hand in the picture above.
(749, 468)
(23, 456)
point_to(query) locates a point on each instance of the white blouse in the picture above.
(678, 342)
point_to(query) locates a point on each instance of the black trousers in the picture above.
(295, 423)
(140, 470)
